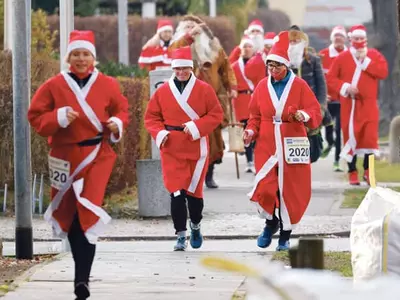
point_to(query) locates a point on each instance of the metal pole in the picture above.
(213, 8)
(8, 37)
(22, 153)
(66, 26)
(123, 34)
(149, 8)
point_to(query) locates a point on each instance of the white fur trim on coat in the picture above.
(343, 90)
(160, 137)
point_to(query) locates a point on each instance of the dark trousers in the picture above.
(179, 210)
(82, 251)
(353, 164)
(249, 150)
(334, 110)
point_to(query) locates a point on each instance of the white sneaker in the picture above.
(250, 168)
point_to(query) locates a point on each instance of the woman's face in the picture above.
(81, 60)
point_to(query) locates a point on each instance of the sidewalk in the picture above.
(150, 270)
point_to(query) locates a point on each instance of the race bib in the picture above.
(58, 172)
(297, 150)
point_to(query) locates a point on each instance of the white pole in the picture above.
(66, 26)
(123, 33)
(8, 36)
(148, 9)
(213, 8)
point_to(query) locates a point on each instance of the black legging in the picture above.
(82, 251)
(353, 164)
(334, 110)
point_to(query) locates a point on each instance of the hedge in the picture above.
(135, 145)
(140, 30)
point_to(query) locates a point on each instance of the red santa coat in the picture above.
(276, 132)
(184, 157)
(245, 89)
(154, 57)
(79, 175)
(359, 115)
(328, 56)
(256, 68)
(235, 54)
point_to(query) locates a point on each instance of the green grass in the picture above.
(334, 261)
(384, 139)
(353, 197)
(384, 172)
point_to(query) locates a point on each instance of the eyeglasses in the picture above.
(274, 65)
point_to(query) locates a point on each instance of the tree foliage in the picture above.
(82, 7)
(42, 38)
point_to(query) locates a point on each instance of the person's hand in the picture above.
(72, 115)
(328, 98)
(113, 127)
(299, 116)
(186, 129)
(233, 94)
(352, 90)
(195, 30)
(247, 137)
(164, 141)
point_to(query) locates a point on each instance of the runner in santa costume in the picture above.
(255, 31)
(245, 89)
(355, 75)
(79, 111)
(268, 41)
(328, 56)
(281, 108)
(180, 116)
(156, 53)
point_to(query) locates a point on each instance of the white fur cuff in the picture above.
(62, 116)
(119, 123)
(305, 115)
(343, 90)
(194, 131)
(160, 137)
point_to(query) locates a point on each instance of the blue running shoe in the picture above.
(180, 244)
(196, 238)
(283, 246)
(265, 238)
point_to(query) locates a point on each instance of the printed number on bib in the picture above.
(297, 150)
(58, 172)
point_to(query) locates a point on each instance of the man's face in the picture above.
(255, 32)
(189, 26)
(339, 40)
(358, 39)
(183, 73)
(247, 51)
(166, 35)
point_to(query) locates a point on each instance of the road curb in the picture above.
(340, 234)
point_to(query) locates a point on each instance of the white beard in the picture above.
(204, 50)
(179, 32)
(296, 53)
(258, 41)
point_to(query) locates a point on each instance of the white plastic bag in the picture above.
(375, 235)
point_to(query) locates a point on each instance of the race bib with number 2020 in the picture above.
(58, 172)
(297, 150)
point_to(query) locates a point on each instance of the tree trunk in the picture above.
(386, 24)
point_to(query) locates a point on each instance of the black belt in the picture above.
(176, 128)
(248, 92)
(91, 142)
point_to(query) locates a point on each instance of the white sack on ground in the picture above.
(375, 235)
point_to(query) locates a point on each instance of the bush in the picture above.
(140, 30)
(273, 20)
(114, 69)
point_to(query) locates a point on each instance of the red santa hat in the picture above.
(182, 57)
(269, 38)
(279, 50)
(255, 25)
(79, 39)
(338, 30)
(164, 25)
(246, 40)
(358, 30)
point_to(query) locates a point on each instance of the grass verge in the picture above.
(353, 197)
(334, 261)
(384, 172)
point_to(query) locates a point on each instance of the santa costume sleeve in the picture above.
(253, 124)
(211, 120)
(255, 69)
(118, 110)
(145, 58)
(334, 83)
(154, 121)
(375, 66)
(310, 107)
(41, 114)
(184, 41)
(235, 55)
